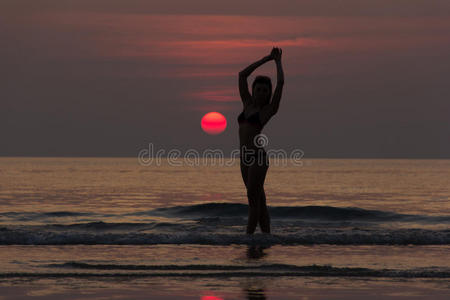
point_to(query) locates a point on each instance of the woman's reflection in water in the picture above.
(255, 287)
(255, 294)
(256, 251)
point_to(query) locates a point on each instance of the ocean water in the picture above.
(93, 228)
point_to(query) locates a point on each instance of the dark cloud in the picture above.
(238, 7)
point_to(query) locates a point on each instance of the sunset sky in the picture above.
(107, 77)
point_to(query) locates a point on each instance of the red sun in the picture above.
(214, 123)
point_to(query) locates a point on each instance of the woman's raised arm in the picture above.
(247, 71)
(271, 109)
(280, 83)
(243, 85)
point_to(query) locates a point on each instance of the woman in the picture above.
(258, 109)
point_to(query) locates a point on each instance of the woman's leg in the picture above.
(264, 218)
(244, 173)
(251, 211)
(255, 190)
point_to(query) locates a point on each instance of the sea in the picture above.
(118, 228)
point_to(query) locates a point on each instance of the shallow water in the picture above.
(341, 228)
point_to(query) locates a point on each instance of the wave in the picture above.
(229, 271)
(328, 213)
(309, 236)
(34, 216)
(223, 210)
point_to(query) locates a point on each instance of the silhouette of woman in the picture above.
(254, 163)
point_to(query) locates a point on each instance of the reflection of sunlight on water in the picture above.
(119, 186)
(211, 298)
(47, 291)
(414, 225)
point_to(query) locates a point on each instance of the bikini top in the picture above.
(252, 119)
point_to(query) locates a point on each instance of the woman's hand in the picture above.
(276, 54)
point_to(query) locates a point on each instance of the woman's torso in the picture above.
(249, 127)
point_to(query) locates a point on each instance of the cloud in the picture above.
(327, 8)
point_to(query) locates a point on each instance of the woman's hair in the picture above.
(264, 80)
